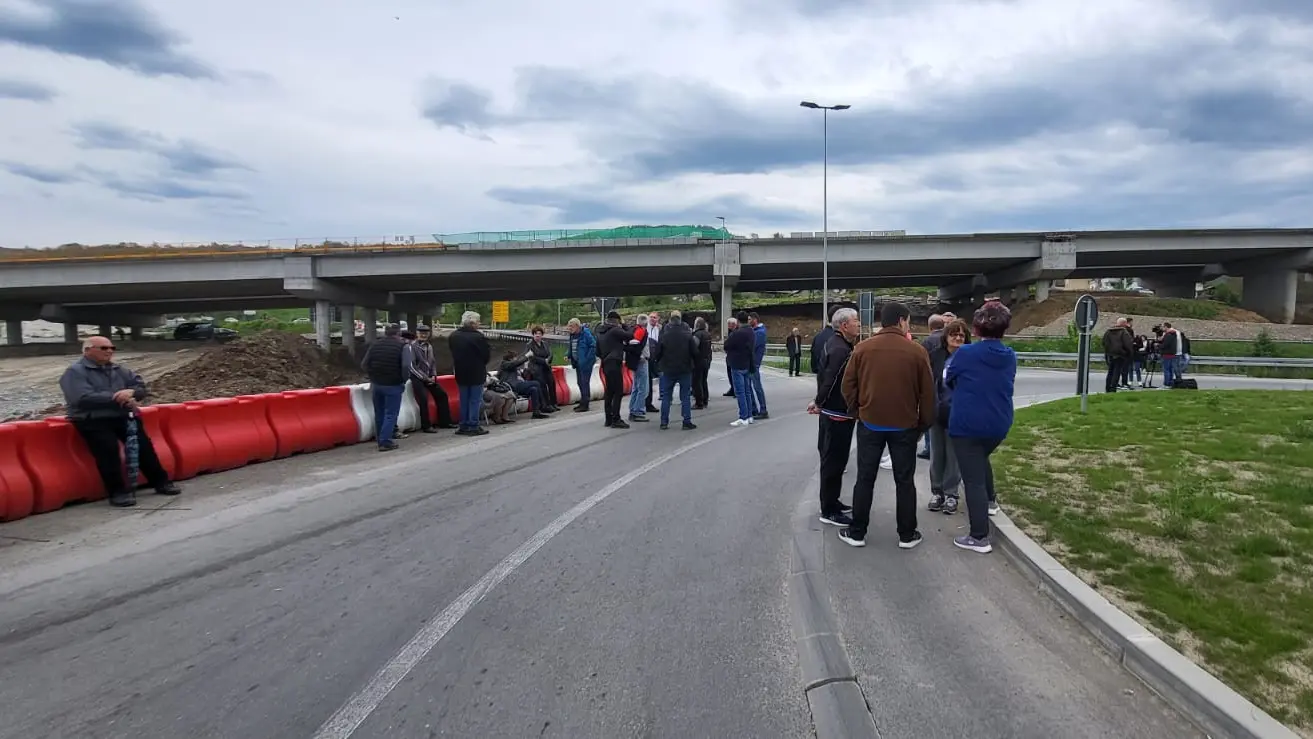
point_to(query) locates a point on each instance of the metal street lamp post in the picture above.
(724, 232)
(825, 203)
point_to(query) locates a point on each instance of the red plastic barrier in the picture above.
(184, 432)
(562, 385)
(448, 384)
(152, 421)
(237, 428)
(629, 380)
(325, 415)
(58, 463)
(17, 491)
(290, 436)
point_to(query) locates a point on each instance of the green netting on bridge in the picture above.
(619, 232)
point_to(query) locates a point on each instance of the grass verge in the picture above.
(1194, 512)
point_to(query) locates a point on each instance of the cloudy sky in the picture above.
(145, 120)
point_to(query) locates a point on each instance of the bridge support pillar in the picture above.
(134, 333)
(348, 328)
(14, 333)
(1042, 288)
(70, 333)
(370, 319)
(722, 298)
(323, 320)
(106, 330)
(1271, 294)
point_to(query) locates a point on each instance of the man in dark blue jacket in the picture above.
(582, 356)
(758, 396)
(740, 347)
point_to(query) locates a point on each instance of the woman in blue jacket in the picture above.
(982, 377)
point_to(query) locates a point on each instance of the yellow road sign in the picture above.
(501, 311)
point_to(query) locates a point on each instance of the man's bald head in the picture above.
(99, 349)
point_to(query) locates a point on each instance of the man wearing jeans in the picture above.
(582, 356)
(739, 347)
(387, 363)
(470, 355)
(673, 359)
(888, 384)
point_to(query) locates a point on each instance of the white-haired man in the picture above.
(730, 324)
(835, 434)
(470, 355)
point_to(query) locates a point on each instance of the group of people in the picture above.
(673, 355)
(1127, 354)
(889, 391)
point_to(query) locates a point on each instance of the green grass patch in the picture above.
(1194, 511)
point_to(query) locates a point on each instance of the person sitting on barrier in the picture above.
(945, 478)
(387, 363)
(510, 372)
(982, 377)
(103, 398)
(424, 383)
(500, 399)
(540, 369)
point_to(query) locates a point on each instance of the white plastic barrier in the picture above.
(408, 420)
(572, 383)
(362, 404)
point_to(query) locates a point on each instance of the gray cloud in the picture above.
(584, 205)
(11, 89)
(654, 127)
(757, 9)
(157, 189)
(120, 33)
(44, 175)
(182, 156)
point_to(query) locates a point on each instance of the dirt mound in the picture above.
(267, 362)
(1030, 313)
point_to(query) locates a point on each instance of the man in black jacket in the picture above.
(702, 367)
(676, 353)
(470, 355)
(819, 342)
(612, 338)
(387, 364)
(835, 436)
(1118, 349)
(794, 347)
(740, 356)
(102, 400)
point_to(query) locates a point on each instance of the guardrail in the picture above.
(1295, 362)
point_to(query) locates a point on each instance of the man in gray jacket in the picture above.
(102, 399)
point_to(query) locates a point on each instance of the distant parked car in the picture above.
(202, 332)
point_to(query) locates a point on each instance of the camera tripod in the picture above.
(1150, 367)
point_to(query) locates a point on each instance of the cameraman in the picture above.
(1172, 349)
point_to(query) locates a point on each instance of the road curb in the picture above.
(1184, 685)
(838, 707)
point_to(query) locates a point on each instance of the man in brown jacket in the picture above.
(888, 386)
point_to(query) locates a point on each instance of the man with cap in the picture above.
(424, 383)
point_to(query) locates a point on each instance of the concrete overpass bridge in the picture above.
(416, 279)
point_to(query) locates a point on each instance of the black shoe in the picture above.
(539, 415)
(446, 426)
(688, 426)
(844, 508)
(388, 447)
(126, 500)
(665, 426)
(911, 541)
(581, 409)
(479, 431)
(429, 430)
(837, 519)
(729, 394)
(760, 416)
(634, 418)
(168, 488)
(936, 503)
(846, 536)
(551, 409)
(619, 425)
(653, 411)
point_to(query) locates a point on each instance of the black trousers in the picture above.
(614, 378)
(544, 377)
(1116, 368)
(978, 479)
(422, 391)
(103, 437)
(795, 365)
(701, 390)
(729, 373)
(835, 440)
(902, 451)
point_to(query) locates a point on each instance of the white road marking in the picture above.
(351, 715)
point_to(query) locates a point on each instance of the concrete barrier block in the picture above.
(362, 404)
(408, 420)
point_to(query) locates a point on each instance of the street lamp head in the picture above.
(840, 107)
(809, 104)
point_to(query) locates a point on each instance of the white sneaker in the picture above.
(749, 421)
(994, 510)
(737, 422)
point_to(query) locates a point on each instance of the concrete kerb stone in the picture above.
(1188, 688)
(837, 705)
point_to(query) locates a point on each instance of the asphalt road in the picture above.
(555, 579)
